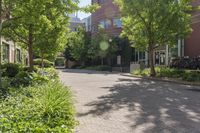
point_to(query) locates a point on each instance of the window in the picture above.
(105, 24)
(138, 56)
(18, 55)
(117, 22)
(5, 53)
(100, 1)
(94, 28)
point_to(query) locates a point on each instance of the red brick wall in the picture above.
(192, 42)
(107, 11)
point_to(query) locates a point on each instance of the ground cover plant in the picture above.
(183, 74)
(35, 101)
(45, 108)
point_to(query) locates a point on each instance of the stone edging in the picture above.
(165, 80)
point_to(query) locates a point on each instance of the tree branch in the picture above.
(20, 38)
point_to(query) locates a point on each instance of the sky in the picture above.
(82, 4)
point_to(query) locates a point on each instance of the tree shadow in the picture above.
(153, 106)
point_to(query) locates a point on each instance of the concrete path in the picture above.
(111, 103)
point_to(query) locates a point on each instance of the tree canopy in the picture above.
(36, 19)
(77, 45)
(151, 23)
(103, 45)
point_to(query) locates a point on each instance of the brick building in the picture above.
(192, 42)
(107, 17)
(75, 22)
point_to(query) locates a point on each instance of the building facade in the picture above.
(12, 53)
(192, 42)
(75, 22)
(87, 23)
(107, 17)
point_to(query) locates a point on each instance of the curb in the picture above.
(164, 80)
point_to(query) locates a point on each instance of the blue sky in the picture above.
(81, 4)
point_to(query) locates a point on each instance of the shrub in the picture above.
(60, 61)
(191, 76)
(21, 79)
(27, 69)
(10, 69)
(44, 75)
(170, 73)
(47, 63)
(5, 82)
(46, 108)
(145, 72)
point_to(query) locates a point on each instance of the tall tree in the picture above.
(103, 46)
(32, 14)
(152, 23)
(6, 7)
(77, 45)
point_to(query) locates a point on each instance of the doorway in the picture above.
(160, 57)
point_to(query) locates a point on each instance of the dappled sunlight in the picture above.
(194, 116)
(150, 106)
(165, 117)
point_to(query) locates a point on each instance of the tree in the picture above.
(32, 14)
(152, 23)
(6, 7)
(51, 38)
(103, 46)
(77, 45)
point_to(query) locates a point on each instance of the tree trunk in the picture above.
(109, 61)
(0, 43)
(102, 61)
(42, 57)
(30, 46)
(151, 62)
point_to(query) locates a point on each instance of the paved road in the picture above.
(111, 103)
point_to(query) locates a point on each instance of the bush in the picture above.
(38, 62)
(21, 79)
(45, 75)
(191, 76)
(10, 69)
(60, 61)
(185, 75)
(145, 72)
(46, 108)
(171, 73)
(28, 69)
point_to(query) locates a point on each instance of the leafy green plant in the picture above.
(47, 63)
(191, 76)
(144, 72)
(40, 109)
(55, 100)
(10, 69)
(21, 79)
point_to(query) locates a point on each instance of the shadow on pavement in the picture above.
(81, 71)
(154, 107)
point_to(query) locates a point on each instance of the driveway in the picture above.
(112, 103)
